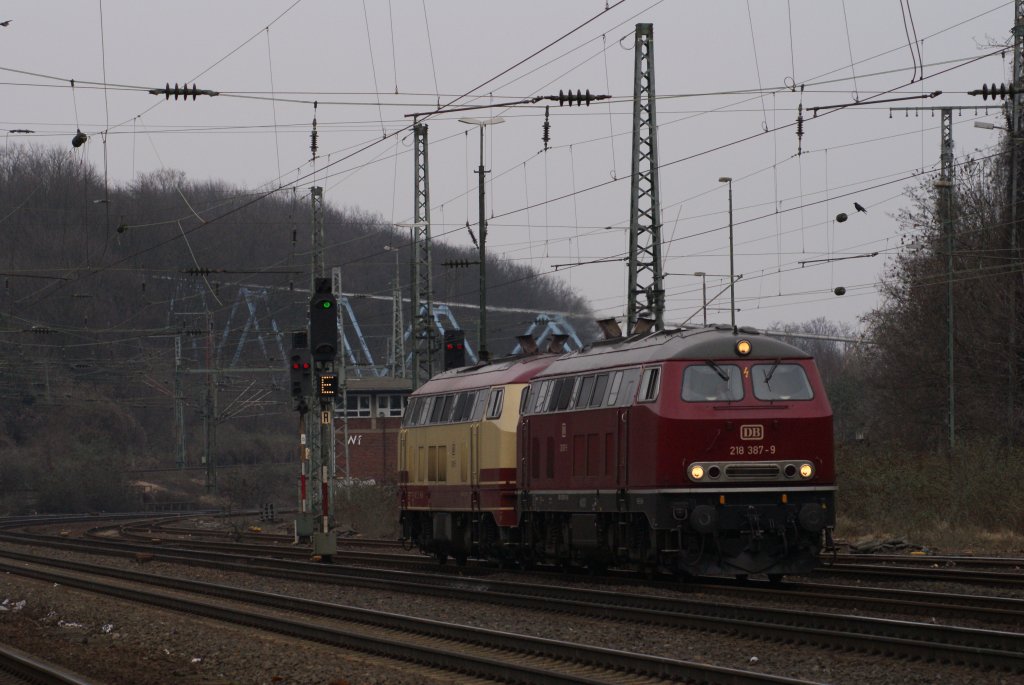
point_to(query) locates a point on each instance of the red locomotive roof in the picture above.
(501, 372)
(679, 344)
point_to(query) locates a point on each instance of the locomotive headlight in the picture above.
(806, 470)
(696, 472)
(743, 348)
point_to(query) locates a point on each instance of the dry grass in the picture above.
(970, 502)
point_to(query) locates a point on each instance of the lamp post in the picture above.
(732, 269)
(482, 240)
(397, 329)
(704, 294)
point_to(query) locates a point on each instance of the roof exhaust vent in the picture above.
(610, 328)
(643, 325)
(527, 344)
(557, 343)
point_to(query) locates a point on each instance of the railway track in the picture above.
(949, 606)
(914, 640)
(459, 649)
(20, 668)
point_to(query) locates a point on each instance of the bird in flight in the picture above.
(859, 207)
(6, 22)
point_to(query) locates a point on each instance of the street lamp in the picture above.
(482, 241)
(732, 269)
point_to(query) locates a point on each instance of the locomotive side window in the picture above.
(542, 397)
(494, 405)
(600, 385)
(649, 384)
(613, 394)
(553, 390)
(564, 393)
(575, 393)
(425, 403)
(707, 383)
(556, 392)
(586, 390)
(460, 406)
(478, 406)
(446, 410)
(779, 381)
(524, 399)
(410, 415)
(470, 406)
(438, 409)
(623, 387)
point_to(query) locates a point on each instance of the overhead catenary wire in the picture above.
(574, 197)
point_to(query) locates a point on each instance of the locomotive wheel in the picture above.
(461, 559)
(775, 578)
(442, 558)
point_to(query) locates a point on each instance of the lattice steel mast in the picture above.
(424, 331)
(646, 288)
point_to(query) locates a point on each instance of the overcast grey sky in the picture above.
(723, 74)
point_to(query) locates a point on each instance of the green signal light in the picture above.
(326, 304)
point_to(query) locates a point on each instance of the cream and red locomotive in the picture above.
(700, 452)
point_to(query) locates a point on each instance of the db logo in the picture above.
(752, 431)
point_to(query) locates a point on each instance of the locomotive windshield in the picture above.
(779, 381)
(712, 383)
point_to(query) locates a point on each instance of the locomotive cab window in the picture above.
(712, 383)
(778, 381)
(649, 384)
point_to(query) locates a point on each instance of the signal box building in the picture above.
(374, 411)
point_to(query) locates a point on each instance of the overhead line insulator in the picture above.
(183, 91)
(581, 98)
(1002, 91)
(546, 127)
(459, 263)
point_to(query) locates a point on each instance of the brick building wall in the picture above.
(372, 448)
(375, 407)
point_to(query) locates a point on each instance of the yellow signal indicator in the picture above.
(328, 385)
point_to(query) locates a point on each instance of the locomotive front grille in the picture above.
(752, 471)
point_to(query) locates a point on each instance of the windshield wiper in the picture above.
(768, 376)
(718, 369)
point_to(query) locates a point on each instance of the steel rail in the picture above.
(987, 648)
(37, 671)
(421, 640)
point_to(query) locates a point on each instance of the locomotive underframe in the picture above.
(689, 531)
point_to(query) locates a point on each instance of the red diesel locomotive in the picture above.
(699, 452)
